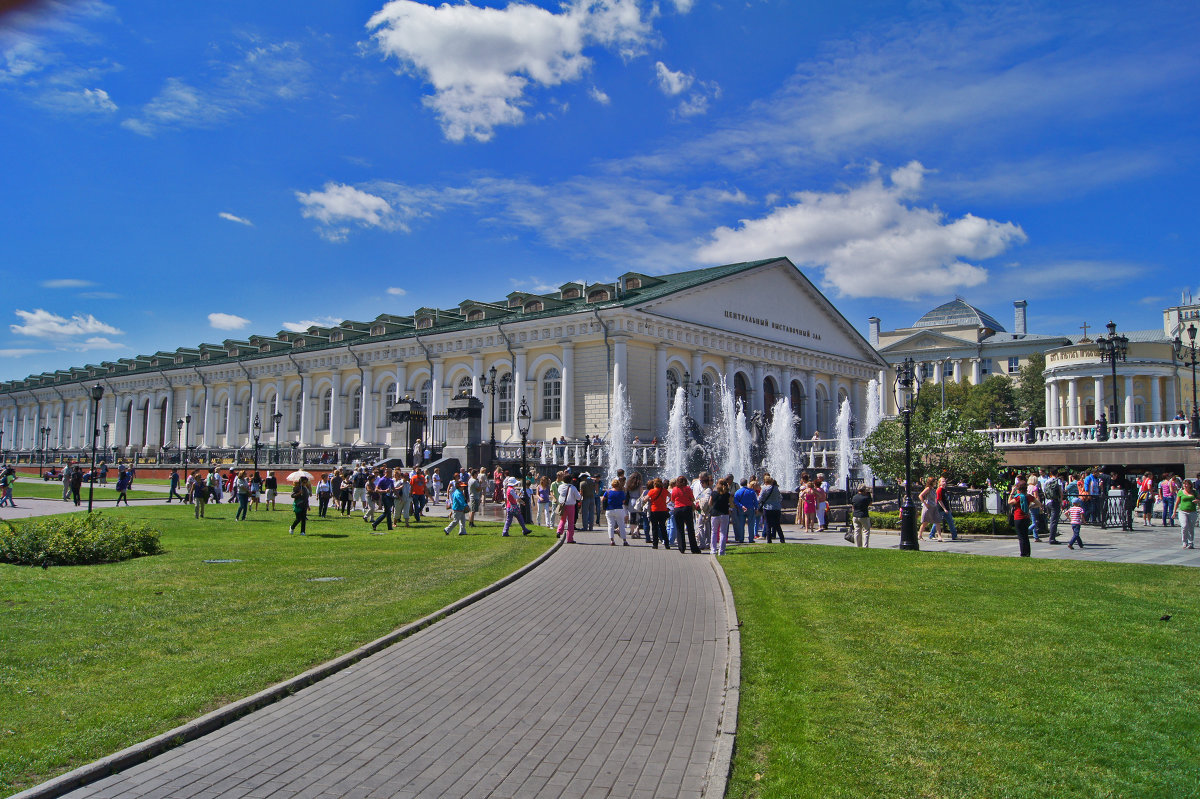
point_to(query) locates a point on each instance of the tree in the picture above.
(944, 444)
(993, 399)
(1031, 390)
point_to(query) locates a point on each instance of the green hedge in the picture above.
(75, 540)
(965, 523)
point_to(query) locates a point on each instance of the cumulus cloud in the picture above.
(870, 240)
(42, 324)
(672, 83)
(227, 321)
(20, 352)
(305, 324)
(599, 95)
(481, 61)
(337, 205)
(396, 291)
(78, 101)
(232, 218)
(66, 283)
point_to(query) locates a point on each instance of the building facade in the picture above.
(761, 327)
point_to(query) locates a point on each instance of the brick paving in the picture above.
(600, 673)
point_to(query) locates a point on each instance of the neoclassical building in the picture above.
(762, 327)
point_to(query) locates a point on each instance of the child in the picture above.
(1075, 517)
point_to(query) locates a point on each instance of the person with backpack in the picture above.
(300, 495)
(458, 509)
(1052, 492)
(200, 492)
(123, 481)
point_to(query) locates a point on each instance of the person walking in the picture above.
(403, 496)
(123, 481)
(722, 501)
(417, 481)
(1019, 502)
(255, 490)
(324, 492)
(200, 492)
(1166, 491)
(1186, 499)
(458, 509)
(174, 483)
(7, 478)
(1075, 519)
(271, 486)
(76, 483)
(300, 494)
(568, 501)
(614, 512)
(512, 506)
(860, 516)
(241, 487)
(684, 514)
(545, 508)
(475, 495)
(1052, 502)
(385, 494)
(586, 511)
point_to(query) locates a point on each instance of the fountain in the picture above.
(739, 461)
(844, 453)
(782, 461)
(874, 414)
(616, 446)
(677, 436)
(545, 452)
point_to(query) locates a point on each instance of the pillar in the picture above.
(1155, 400)
(568, 388)
(206, 438)
(1098, 391)
(477, 372)
(976, 371)
(169, 421)
(518, 391)
(756, 390)
(366, 418)
(1053, 410)
(662, 404)
(306, 412)
(1127, 416)
(1073, 401)
(337, 423)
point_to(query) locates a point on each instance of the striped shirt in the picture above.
(1075, 514)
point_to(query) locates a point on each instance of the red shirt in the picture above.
(418, 484)
(682, 497)
(658, 500)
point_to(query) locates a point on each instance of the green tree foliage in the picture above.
(994, 398)
(944, 443)
(1031, 390)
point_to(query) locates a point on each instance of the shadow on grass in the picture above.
(330, 535)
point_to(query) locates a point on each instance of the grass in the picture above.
(891, 674)
(29, 488)
(96, 658)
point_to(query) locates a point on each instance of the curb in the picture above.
(190, 731)
(716, 780)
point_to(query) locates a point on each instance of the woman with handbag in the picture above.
(300, 495)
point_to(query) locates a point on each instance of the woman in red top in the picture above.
(656, 499)
(1021, 516)
(685, 504)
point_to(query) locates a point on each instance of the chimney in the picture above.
(873, 331)
(1019, 317)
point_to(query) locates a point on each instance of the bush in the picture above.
(75, 540)
(965, 523)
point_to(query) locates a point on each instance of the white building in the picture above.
(762, 327)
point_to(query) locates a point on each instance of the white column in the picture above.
(254, 411)
(186, 433)
(337, 424)
(436, 402)
(1073, 401)
(206, 435)
(169, 421)
(810, 403)
(1053, 410)
(1172, 390)
(477, 372)
(1099, 394)
(229, 428)
(62, 414)
(620, 361)
(662, 410)
(1155, 400)
(568, 388)
(306, 411)
(1127, 414)
(518, 391)
(976, 371)
(756, 391)
(697, 365)
(366, 418)
(937, 372)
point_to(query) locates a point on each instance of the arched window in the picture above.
(424, 322)
(797, 392)
(356, 410)
(327, 409)
(425, 392)
(707, 399)
(633, 283)
(533, 306)
(475, 315)
(552, 395)
(600, 295)
(672, 385)
(570, 294)
(741, 392)
(297, 409)
(393, 394)
(464, 385)
(770, 395)
(504, 399)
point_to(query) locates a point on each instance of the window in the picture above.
(633, 283)
(297, 410)
(552, 395)
(378, 330)
(464, 385)
(424, 393)
(600, 295)
(706, 399)
(1014, 365)
(475, 315)
(424, 322)
(393, 394)
(985, 366)
(356, 410)
(327, 409)
(672, 386)
(515, 302)
(335, 335)
(297, 343)
(1139, 412)
(570, 294)
(534, 306)
(504, 399)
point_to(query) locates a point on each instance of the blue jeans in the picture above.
(948, 524)
(1168, 511)
(737, 518)
(589, 514)
(243, 505)
(1075, 539)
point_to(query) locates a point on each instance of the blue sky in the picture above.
(185, 172)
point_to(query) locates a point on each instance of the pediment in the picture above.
(926, 340)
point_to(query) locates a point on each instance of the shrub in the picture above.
(965, 523)
(75, 540)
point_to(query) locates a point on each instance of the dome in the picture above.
(958, 312)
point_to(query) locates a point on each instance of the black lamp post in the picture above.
(523, 420)
(690, 390)
(45, 434)
(488, 386)
(278, 417)
(1113, 348)
(1191, 361)
(3, 453)
(97, 395)
(181, 445)
(257, 436)
(907, 387)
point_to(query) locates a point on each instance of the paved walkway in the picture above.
(600, 673)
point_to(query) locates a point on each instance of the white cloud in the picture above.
(78, 101)
(482, 61)
(98, 343)
(259, 74)
(66, 283)
(19, 352)
(1079, 273)
(305, 324)
(100, 295)
(672, 83)
(870, 240)
(682, 6)
(227, 321)
(396, 291)
(599, 95)
(338, 204)
(232, 218)
(45, 325)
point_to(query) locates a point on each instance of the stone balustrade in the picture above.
(1131, 432)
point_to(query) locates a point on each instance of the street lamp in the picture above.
(257, 435)
(45, 434)
(487, 385)
(181, 445)
(1112, 349)
(690, 390)
(1191, 361)
(97, 394)
(278, 417)
(523, 420)
(907, 387)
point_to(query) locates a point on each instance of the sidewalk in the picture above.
(601, 672)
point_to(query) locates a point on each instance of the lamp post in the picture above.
(257, 436)
(523, 420)
(45, 434)
(907, 386)
(4, 455)
(97, 395)
(278, 417)
(1191, 360)
(690, 390)
(488, 386)
(182, 446)
(1112, 349)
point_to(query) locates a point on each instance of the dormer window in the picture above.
(533, 306)
(178, 359)
(600, 295)
(570, 294)
(378, 330)
(232, 352)
(475, 315)
(633, 283)
(204, 356)
(335, 335)
(424, 322)
(515, 302)
(297, 343)
(264, 348)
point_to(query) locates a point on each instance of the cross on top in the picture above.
(1084, 327)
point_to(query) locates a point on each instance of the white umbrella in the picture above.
(294, 477)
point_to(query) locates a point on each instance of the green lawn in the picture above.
(36, 488)
(881, 673)
(96, 658)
